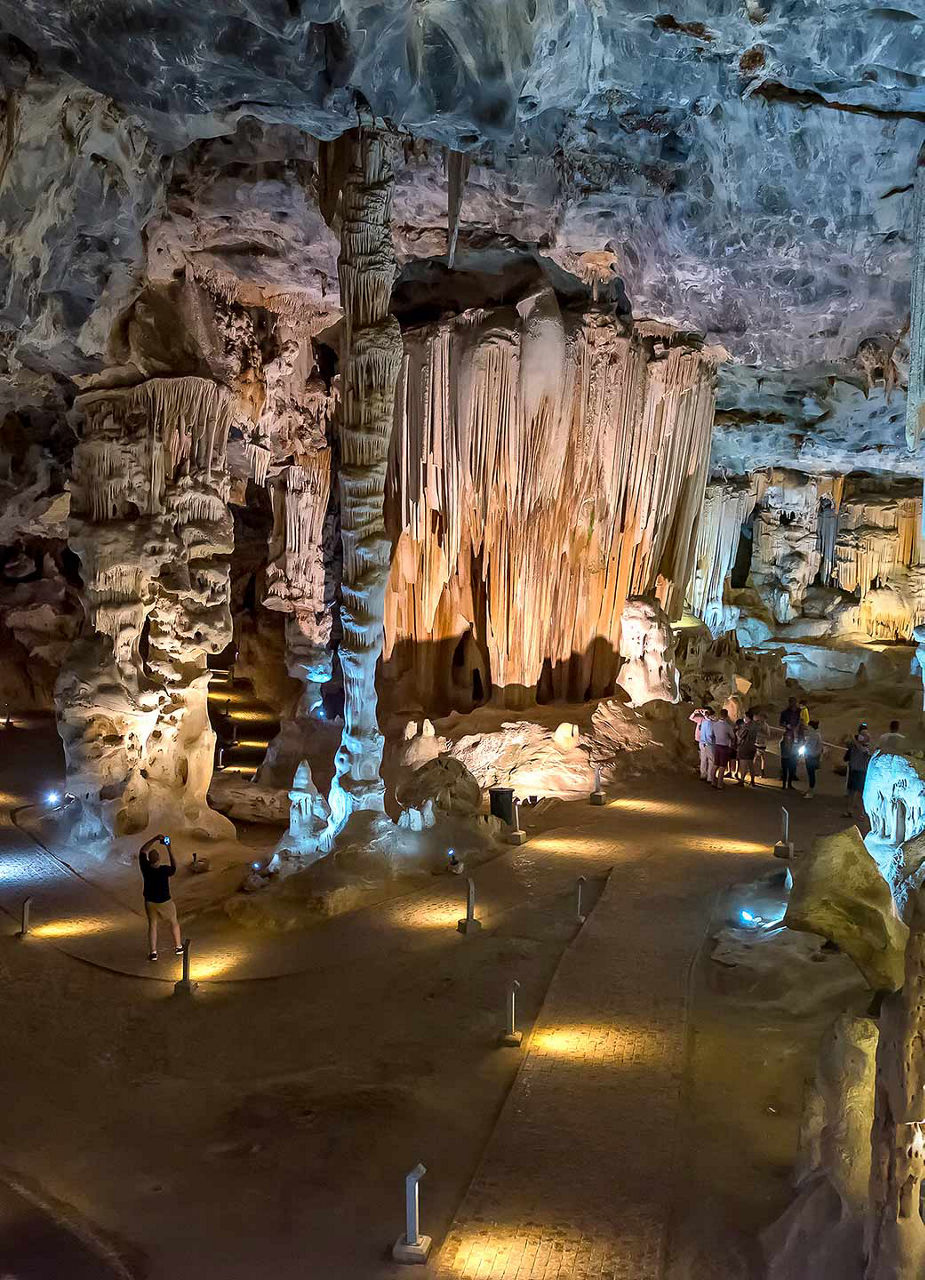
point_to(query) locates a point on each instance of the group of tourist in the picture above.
(735, 750)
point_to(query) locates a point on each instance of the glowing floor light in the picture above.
(748, 918)
(53, 797)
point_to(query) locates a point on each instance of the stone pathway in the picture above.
(577, 1179)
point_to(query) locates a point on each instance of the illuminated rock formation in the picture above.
(295, 584)
(360, 172)
(786, 555)
(839, 892)
(545, 467)
(151, 526)
(725, 509)
(648, 673)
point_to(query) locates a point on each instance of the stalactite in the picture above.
(725, 510)
(543, 469)
(457, 169)
(371, 359)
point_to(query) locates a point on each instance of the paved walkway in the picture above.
(577, 1179)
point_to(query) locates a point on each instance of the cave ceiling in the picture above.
(748, 165)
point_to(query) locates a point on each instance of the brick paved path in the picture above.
(577, 1179)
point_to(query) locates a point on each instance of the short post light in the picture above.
(784, 846)
(26, 918)
(185, 987)
(469, 924)
(511, 1038)
(597, 795)
(580, 917)
(516, 835)
(412, 1247)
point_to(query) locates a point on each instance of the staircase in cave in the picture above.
(244, 726)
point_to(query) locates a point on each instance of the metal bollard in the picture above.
(784, 846)
(26, 917)
(511, 1038)
(412, 1247)
(581, 884)
(597, 795)
(185, 987)
(516, 835)
(469, 924)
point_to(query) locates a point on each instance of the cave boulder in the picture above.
(840, 893)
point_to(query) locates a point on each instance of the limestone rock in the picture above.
(839, 892)
(822, 1231)
(649, 673)
(446, 784)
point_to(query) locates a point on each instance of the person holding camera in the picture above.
(155, 874)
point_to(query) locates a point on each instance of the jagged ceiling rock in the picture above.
(823, 421)
(78, 181)
(747, 164)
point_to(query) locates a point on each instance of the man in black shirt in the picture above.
(158, 905)
(790, 716)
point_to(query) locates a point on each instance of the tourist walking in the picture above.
(725, 746)
(812, 749)
(156, 875)
(704, 746)
(857, 758)
(789, 748)
(804, 713)
(747, 747)
(892, 743)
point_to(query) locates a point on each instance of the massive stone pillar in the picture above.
(896, 1230)
(371, 360)
(151, 526)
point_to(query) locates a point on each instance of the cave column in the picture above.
(895, 1241)
(151, 526)
(371, 361)
(296, 586)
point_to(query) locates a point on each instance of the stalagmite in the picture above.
(895, 1242)
(371, 360)
(544, 468)
(649, 673)
(296, 586)
(151, 526)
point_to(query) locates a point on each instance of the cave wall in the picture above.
(833, 556)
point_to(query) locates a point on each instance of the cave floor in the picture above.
(265, 1128)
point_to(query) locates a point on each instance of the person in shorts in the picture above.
(724, 736)
(157, 867)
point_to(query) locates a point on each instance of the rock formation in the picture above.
(523, 513)
(151, 526)
(895, 1242)
(361, 173)
(648, 673)
(839, 892)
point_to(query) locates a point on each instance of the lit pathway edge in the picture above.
(577, 1178)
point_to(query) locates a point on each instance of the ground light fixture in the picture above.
(53, 797)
